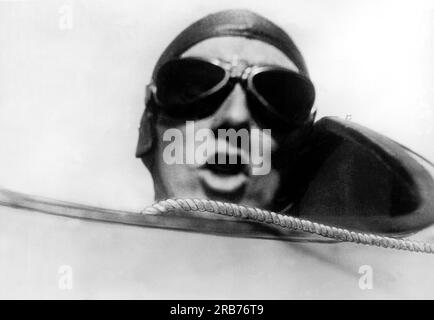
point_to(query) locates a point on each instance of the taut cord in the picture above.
(289, 222)
(156, 216)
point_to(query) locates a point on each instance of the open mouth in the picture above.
(225, 173)
(220, 164)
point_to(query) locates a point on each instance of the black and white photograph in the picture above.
(216, 150)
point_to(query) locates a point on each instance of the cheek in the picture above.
(257, 195)
(177, 143)
(263, 149)
(270, 145)
(264, 137)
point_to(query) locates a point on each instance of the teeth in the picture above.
(224, 148)
(228, 160)
(224, 176)
(221, 158)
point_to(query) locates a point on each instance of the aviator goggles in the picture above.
(195, 88)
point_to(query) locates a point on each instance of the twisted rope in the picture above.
(288, 222)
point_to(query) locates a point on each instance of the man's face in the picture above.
(225, 182)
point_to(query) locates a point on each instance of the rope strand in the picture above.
(288, 222)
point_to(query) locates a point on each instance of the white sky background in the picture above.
(71, 99)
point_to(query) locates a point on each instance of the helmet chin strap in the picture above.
(146, 130)
(161, 189)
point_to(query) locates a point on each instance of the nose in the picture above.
(234, 112)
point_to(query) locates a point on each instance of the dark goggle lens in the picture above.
(183, 82)
(185, 89)
(288, 94)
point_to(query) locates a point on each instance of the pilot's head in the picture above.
(227, 111)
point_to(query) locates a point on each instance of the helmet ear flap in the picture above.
(146, 130)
